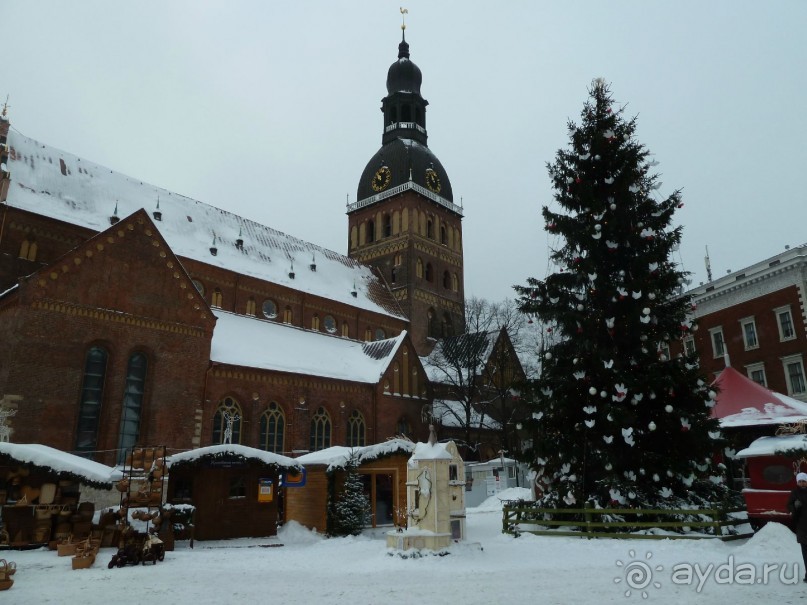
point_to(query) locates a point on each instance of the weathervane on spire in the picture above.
(5, 105)
(404, 12)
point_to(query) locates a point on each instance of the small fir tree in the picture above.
(615, 421)
(350, 511)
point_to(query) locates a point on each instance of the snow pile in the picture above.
(769, 539)
(293, 533)
(495, 502)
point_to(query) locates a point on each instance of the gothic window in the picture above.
(320, 431)
(455, 282)
(368, 335)
(380, 334)
(132, 403)
(393, 275)
(315, 322)
(287, 315)
(356, 430)
(448, 327)
(429, 273)
(345, 329)
(28, 250)
(432, 327)
(403, 427)
(386, 226)
(443, 235)
(222, 429)
(251, 306)
(199, 286)
(393, 113)
(446, 280)
(272, 429)
(430, 229)
(215, 298)
(370, 232)
(406, 113)
(419, 268)
(92, 392)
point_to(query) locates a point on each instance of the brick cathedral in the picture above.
(130, 314)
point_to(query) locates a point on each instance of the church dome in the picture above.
(407, 160)
(403, 75)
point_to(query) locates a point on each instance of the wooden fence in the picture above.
(590, 522)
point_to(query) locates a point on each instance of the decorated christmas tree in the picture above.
(615, 421)
(350, 510)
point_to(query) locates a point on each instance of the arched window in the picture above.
(345, 329)
(92, 394)
(368, 335)
(273, 427)
(429, 272)
(199, 286)
(443, 235)
(448, 326)
(446, 280)
(380, 334)
(433, 329)
(315, 322)
(430, 228)
(287, 315)
(403, 427)
(393, 114)
(269, 309)
(406, 113)
(356, 430)
(215, 298)
(227, 422)
(132, 409)
(320, 431)
(370, 231)
(251, 306)
(28, 250)
(386, 230)
(455, 282)
(394, 275)
(419, 268)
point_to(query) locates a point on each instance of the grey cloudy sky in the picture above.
(271, 109)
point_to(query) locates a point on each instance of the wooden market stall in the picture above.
(233, 489)
(40, 493)
(382, 468)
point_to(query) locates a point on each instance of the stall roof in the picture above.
(61, 463)
(338, 456)
(743, 402)
(230, 451)
(770, 446)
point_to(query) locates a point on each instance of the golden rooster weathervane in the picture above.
(404, 12)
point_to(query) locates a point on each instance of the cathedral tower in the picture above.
(404, 222)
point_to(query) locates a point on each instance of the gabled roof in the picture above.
(228, 452)
(338, 456)
(743, 402)
(463, 353)
(770, 446)
(61, 463)
(258, 343)
(53, 183)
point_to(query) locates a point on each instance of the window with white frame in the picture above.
(794, 374)
(718, 344)
(756, 372)
(663, 351)
(749, 329)
(784, 320)
(689, 345)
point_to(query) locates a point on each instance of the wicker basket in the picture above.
(6, 584)
(84, 561)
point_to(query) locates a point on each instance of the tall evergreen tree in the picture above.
(350, 509)
(615, 422)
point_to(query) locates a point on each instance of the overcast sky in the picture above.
(271, 110)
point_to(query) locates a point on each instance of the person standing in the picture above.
(796, 504)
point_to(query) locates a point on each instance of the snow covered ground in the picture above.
(491, 568)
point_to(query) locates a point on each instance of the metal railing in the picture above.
(400, 189)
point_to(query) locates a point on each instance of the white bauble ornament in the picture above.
(597, 227)
(580, 307)
(603, 394)
(592, 391)
(548, 356)
(668, 408)
(646, 310)
(652, 426)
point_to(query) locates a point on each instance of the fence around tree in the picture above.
(655, 524)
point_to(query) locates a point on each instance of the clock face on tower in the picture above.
(381, 179)
(432, 180)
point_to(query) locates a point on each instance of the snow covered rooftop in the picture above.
(231, 451)
(429, 451)
(62, 463)
(768, 446)
(338, 456)
(50, 182)
(452, 413)
(454, 358)
(743, 402)
(257, 343)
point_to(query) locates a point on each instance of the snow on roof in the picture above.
(428, 451)
(451, 413)
(337, 457)
(53, 183)
(81, 469)
(230, 451)
(743, 402)
(768, 446)
(257, 343)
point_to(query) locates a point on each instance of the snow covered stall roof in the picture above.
(771, 446)
(256, 343)
(61, 463)
(338, 456)
(57, 184)
(230, 451)
(742, 402)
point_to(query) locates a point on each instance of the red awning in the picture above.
(743, 402)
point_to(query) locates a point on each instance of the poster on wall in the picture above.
(265, 490)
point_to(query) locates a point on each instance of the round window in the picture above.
(330, 324)
(380, 334)
(269, 309)
(199, 286)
